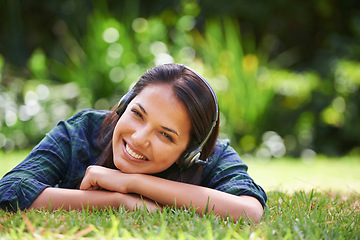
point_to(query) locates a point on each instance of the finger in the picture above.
(85, 185)
(93, 188)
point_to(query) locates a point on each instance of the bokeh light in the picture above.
(111, 35)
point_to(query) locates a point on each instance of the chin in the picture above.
(119, 166)
(125, 169)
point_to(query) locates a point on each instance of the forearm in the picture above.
(79, 199)
(170, 193)
(75, 199)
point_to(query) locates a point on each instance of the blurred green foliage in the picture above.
(287, 78)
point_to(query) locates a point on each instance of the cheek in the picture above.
(117, 131)
(122, 125)
(168, 156)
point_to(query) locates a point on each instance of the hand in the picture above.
(98, 177)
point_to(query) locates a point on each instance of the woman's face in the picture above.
(152, 133)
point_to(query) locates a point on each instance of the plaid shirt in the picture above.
(63, 156)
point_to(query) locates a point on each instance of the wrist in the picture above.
(133, 182)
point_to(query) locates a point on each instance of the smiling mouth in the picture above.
(134, 154)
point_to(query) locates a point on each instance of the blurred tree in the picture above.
(291, 67)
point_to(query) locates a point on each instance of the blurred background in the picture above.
(287, 73)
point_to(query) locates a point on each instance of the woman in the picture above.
(147, 150)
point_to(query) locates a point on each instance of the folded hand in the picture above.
(97, 177)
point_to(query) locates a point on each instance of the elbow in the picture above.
(252, 209)
(8, 198)
(255, 214)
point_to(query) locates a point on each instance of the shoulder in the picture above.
(83, 126)
(224, 164)
(86, 120)
(223, 156)
(88, 116)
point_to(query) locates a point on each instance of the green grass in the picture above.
(326, 212)
(299, 216)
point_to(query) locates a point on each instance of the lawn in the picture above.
(341, 175)
(316, 199)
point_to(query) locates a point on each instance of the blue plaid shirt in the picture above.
(63, 156)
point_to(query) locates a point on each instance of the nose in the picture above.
(141, 137)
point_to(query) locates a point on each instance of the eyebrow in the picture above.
(142, 109)
(163, 127)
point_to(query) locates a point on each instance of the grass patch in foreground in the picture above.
(300, 215)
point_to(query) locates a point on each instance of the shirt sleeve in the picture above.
(60, 159)
(226, 172)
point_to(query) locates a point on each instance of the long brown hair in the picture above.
(199, 102)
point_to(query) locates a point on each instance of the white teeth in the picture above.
(133, 154)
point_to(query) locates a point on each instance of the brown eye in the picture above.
(137, 113)
(167, 136)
